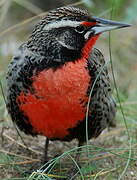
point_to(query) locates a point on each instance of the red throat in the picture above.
(88, 46)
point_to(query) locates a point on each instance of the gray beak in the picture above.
(104, 25)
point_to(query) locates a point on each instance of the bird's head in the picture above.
(66, 31)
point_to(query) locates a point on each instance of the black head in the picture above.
(63, 33)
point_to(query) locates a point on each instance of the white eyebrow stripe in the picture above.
(62, 23)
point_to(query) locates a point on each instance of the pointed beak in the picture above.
(104, 25)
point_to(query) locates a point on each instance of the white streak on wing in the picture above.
(62, 23)
(65, 45)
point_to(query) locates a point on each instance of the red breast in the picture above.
(60, 97)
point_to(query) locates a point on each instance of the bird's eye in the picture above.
(80, 29)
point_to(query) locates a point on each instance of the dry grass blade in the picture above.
(4, 10)
(20, 144)
(112, 154)
(101, 173)
(127, 103)
(2, 2)
(77, 3)
(13, 154)
(112, 133)
(19, 25)
(28, 5)
(25, 22)
(47, 175)
(20, 163)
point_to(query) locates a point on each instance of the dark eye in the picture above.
(80, 29)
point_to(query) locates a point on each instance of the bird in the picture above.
(57, 73)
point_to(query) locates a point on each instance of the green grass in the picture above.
(112, 155)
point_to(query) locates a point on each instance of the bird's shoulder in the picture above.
(102, 104)
(23, 63)
(98, 69)
(96, 59)
(23, 57)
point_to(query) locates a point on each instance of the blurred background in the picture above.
(17, 19)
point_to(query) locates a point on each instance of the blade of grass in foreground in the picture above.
(117, 93)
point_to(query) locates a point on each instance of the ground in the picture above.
(107, 156)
